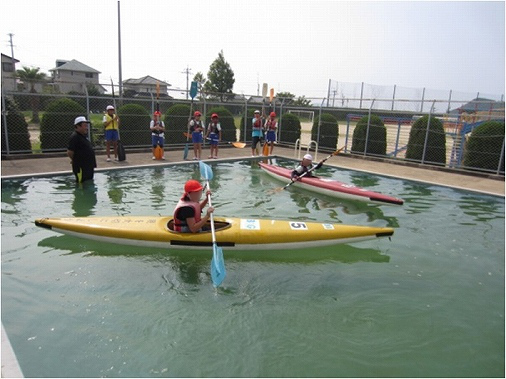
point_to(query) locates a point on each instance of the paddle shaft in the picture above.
(314, 167)
(213, 233)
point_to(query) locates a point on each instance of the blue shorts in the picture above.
(197, 137)
(157, 140)
(271, 136)
(214, 137)
(111, 135)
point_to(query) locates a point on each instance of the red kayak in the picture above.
(330, 187)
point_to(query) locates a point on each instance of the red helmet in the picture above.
(197, 113)
(192, 186)
(273, 114)
(158, 113)
(214, 115)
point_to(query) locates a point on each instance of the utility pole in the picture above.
(187, 71)
(12, 46)
(119, 54)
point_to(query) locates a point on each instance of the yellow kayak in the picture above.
(233, 233)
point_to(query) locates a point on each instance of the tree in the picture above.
(32, 76)
(302, 102)
(220, 78)
(286, 96)
(427, 147)
(375, 138)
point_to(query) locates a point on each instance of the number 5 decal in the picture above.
(298, 225)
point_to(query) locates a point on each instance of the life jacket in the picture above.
(178, 224)
(270, 125)
(257, 120)
(196, 125)
(159, 123)
(113, 124)
(214, 128)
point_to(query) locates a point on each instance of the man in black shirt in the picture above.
(80, 151)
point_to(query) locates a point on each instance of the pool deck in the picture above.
(489, 184)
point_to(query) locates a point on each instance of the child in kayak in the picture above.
(306, 166)
(187, 214)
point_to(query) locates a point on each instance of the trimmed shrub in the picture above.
(435, 151)
(176, 123)
(484, 147)
(134, 122)
(290, 128)
(376, 139)
(17, 130)
(226, 119)
(57, 124)
(329, 131)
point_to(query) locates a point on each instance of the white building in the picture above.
(74, 76)
(9, 73)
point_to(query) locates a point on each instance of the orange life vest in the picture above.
(178, 224)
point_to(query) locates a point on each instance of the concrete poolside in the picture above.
(488, 184)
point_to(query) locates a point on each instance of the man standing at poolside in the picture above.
(80, 151)
(111, 125)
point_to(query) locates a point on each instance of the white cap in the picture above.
(109, 107)
(80, 119)
(257, 111)
(308, 156)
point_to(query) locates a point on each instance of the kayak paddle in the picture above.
(308, 171)
(218, 271)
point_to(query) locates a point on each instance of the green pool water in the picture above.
(428, 303)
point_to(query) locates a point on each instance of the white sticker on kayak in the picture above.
(328, 226)
(296, 225)
(250, 224)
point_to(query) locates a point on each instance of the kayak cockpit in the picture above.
(218, 225)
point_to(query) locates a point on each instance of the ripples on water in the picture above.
(428, 303)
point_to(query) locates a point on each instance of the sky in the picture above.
(293, 45)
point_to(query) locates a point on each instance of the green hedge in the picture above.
(134, 122)
(290, 128)
(376, 139)
(435, 151)
(484, 148)
(329, 131)
(17, 130)
(176, 123)
(57, 124)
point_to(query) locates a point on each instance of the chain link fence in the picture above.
(470, 138)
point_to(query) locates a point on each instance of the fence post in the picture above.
(368, 124)
(87, 110)
(393, 97)
(427, 132)
(361, 95)
(501, 160)
(4, 116)
(423, 98)
(328, 93)
(449, 102)
(278, 137)
(245, 117)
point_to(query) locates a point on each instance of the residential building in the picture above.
(145, 86)
(74, 76)
(9, 73)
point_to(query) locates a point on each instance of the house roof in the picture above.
(10, 58)
(146, 80)
(480, 105)
(74, 65)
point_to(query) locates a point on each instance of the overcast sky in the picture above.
(294, 46)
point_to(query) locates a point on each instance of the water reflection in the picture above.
(85, 199)
(418, 198)
(481, 209)
(158, 188)
(364, 180)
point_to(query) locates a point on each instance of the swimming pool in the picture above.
(428, 303)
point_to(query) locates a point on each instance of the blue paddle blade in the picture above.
(218, 271)
(205, 171)
(185, 153)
